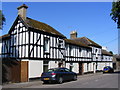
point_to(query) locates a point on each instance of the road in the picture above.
(86, 81)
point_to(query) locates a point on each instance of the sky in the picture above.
(89, 19)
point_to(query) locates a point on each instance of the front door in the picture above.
(45, 66)
(80, 68)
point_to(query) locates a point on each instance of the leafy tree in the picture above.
(115, 12)
(111, 52)
(2, 19)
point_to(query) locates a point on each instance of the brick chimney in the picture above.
(22, 11)
(73, 35)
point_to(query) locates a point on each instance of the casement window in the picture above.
(15, 39)
(60, 43)
(46, 44)
(70, 51)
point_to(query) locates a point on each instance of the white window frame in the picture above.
(46, 45)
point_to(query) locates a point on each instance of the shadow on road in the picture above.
(55, 83)
(116, 72)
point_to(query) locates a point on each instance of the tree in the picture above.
(2, 19)
(111, 52)
(115, 12)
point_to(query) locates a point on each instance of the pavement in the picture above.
(37, 82)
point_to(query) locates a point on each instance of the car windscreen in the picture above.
(106, 67)
(52, 70)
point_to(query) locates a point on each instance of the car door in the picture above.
(68, 74)
(62, 74)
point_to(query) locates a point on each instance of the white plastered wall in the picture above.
(35, 68)
(75, 67)
(53, 64)
(103, 64)
(67, 65)
(90, 68)
(85, 68)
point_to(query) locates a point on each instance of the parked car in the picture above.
(58, 74)
(108, 69)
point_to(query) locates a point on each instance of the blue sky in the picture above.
(89, 19)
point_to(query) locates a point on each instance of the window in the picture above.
(60, 45)
(96, 50)
(15, 39)
(46, 45)
(70, 51)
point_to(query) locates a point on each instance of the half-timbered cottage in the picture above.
(35, 46)
(77, 54)
(97, 54)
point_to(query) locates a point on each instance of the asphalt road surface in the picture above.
(86, 81)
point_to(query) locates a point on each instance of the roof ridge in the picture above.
(79, 43)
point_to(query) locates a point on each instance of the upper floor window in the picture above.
(46, 44)
(60, 43)
(15, 39)
(70, 51)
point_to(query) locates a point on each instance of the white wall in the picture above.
(75, 67)
(91, 67)
(103, 64)
(85, 67)
(67, 65)
(53, 64)
(35, 68)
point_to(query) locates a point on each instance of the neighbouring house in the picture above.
(77, 54)
(116, 62)
(97, 62)
(106, 60)
(32, 47)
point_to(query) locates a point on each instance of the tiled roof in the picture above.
(104, 52)
(5, 36)
(42, 27)
(69, 41)
(87, 41)
(117, 57)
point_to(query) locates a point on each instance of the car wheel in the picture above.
(75, 78)
(60, 80)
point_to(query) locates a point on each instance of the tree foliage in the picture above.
(2, 19)
(115, 12)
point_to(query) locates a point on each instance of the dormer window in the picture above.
(46, 44)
